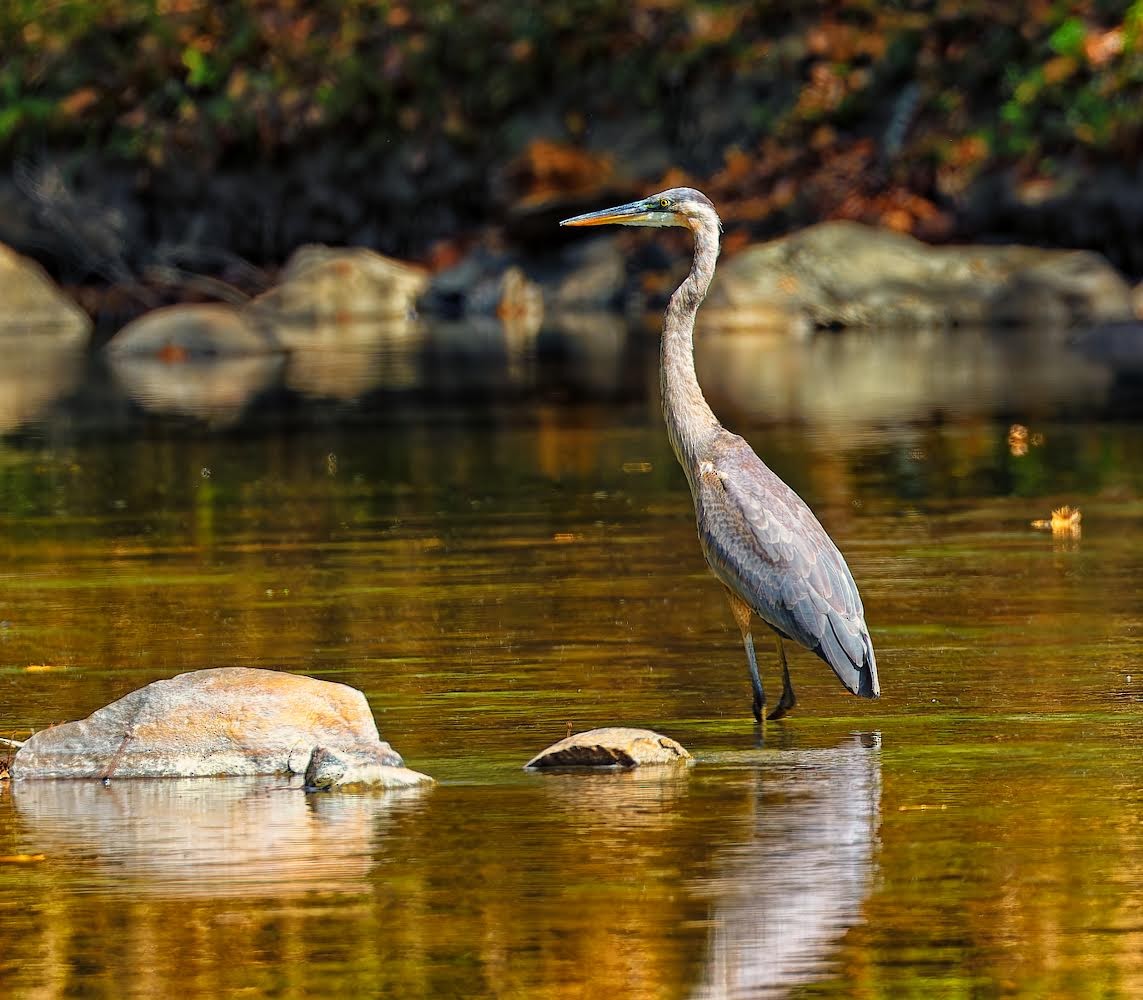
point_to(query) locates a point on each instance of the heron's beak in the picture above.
(635, 213)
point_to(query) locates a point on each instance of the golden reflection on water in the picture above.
(198, 838)
(561, 884)
(484, 586)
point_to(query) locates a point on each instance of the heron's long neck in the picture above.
(690, 422)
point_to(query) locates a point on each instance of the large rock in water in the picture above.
(611, 746)
(848, 274)
(224, 721)
(193, 332)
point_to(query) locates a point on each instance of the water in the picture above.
(494, 550)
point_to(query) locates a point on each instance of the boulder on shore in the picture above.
(848, 274)
(611, 746)
(222, 721)
(322, 284)
(32, 301)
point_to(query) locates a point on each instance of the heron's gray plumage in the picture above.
(760, 539)
(765, 544)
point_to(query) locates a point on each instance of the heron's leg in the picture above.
(742, 615)
(787, 701)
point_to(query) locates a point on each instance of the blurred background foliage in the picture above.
(886, 112)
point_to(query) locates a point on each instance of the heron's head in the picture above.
(681, 206)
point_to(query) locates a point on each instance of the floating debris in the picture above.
(1064, 521)
(1019, 438)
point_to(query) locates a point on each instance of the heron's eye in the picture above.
(664, 202)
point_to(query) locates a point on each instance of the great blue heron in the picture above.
(760, 539)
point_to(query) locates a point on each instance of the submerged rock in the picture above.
(353, 769)
(612, 746)
(223, 721)
(848, 274)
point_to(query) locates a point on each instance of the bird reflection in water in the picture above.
(783, 895)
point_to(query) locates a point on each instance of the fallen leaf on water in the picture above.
(1065, 520)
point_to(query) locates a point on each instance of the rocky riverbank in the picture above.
(834, 275)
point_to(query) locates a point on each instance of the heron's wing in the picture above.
(765, 544)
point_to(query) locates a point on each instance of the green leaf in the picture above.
(10, 119)
(1012, 113)
(199, 71)
(1067, 39)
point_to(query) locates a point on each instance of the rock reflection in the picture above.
(214, 389)
(782, 897)
(593, 346)
(863, 377)
(345, 359)
(33, 376)
(478, 354)
(208, 838)
(643, 799)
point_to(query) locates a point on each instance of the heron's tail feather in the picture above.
(850, 653)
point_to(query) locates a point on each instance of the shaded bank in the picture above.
(246, 130)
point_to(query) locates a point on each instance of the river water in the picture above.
(493, 541)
